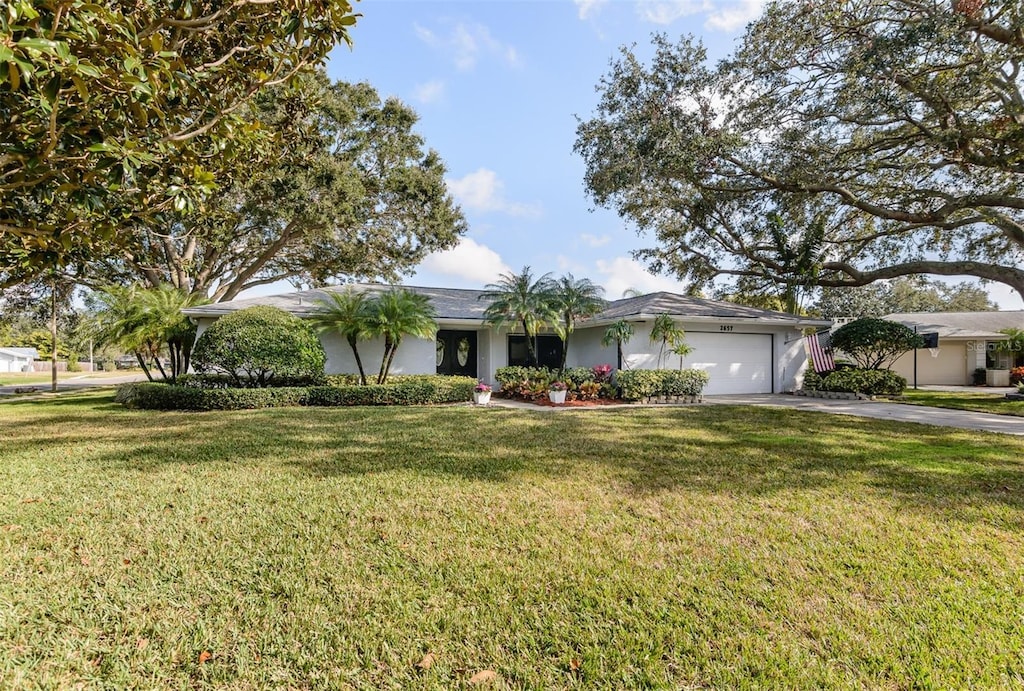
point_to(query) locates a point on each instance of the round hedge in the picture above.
(259, 346)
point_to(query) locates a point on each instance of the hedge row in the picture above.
(532, 382)
(636, 384)
(425, 390)
(873, 382)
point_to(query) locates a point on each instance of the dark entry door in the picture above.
(456, 352)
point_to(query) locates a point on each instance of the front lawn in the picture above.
(978, 402)
(709, 546)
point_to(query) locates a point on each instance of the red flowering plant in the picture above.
(557, 386)
(602, 373)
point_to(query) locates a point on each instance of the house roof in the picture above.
(982, 325)
(21, 352)
(457, 304)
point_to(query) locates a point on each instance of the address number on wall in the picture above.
(725, 328)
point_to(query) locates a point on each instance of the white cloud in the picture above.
(483, 191)
(1003, 295)
(469, 261)
(595, 240)
(734, 15)
(466, 43)
(622, 273)
(430, 92)
(667, 11)
(588, 8)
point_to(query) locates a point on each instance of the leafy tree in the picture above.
(883, 136)
(909, 294)
(395, 314)
(351, 191)
(120, 110)
(259, 347)
(618, 333)
(875, 343)
(346, 313)
(574, 299)
(521, 299)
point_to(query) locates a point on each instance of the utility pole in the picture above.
(53, 334)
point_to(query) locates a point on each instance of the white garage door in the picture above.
(736, 363)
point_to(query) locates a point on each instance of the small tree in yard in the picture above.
(259, 345)
(875, 343)
(395, 314)
(618, 333)
(346, 313)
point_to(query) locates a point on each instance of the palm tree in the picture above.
(143, 320)
(395, 314)
(519, 299)
(665, 332)
(574, 299)
(345, 313)
(618, 333)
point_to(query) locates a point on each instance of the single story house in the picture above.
(967, 341)
(17, 359)
(744, 350)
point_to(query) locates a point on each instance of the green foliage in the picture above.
(909, 294)
(573, 299)
(618, 333)
(346, 313)
(856, 121)
(118, 111)
(256, 345)
(519, 299)
(350, 190)
(394, 314)
(408, 390)
(873, 382)
(1017, 376)
(638, 384)
(875, 343)
(524, 382)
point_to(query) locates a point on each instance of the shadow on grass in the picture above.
(715, 449)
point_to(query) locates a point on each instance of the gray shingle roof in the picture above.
(985, 325)
(462, 304)
(22, 352)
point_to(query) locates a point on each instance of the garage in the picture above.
(945, 365)
(736, 362)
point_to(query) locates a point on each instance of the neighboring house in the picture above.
(967, 341)
(17, 359)
(745, 350)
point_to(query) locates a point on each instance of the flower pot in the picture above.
(557, 397)
(481, 397)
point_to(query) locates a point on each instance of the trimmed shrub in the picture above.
(409, 390)
(524, 382)
(812, 380)
(259, 346)
(873, 382)
(875, 343)
(226, 381)
(156, 396)
(638, 384)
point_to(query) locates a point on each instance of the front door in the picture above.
(456, 352)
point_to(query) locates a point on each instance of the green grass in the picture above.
(707, 546)
(35, 378)
(979, 402)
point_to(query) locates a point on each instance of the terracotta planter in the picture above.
(557, 397)
(481, 397)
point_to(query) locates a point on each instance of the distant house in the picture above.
(967, 341)
(17, 359)
(743, 349)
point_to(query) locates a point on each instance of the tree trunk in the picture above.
(352, 340)
(142, 364)
(391, 359)
(531, 352)
(159, 365)
(384, 361)
(53, 335)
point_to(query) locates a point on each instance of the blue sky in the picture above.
(498, 85)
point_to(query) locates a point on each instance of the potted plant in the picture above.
(557, 391)
(482, 393)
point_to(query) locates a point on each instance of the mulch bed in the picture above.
(578, 404)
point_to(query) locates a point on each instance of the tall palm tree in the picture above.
(519, 299)
(574, 299)
(618, 333)
(395, 314)
(345, 313)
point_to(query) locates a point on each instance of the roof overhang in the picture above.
(710, 319)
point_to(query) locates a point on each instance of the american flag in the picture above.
(819, 350)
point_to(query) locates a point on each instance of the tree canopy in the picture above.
(840, 144)
(113, 112)
(901, 295)
(350, 191)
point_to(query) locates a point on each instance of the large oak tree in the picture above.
(349, 191)
(841, 144)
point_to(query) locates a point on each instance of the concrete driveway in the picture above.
(74, 383)
(939, 417)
